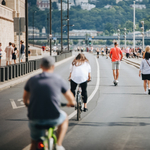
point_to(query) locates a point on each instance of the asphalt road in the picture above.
(14, 132)
(118, 117)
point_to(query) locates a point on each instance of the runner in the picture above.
(115, 54)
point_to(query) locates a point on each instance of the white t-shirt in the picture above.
(79, 74)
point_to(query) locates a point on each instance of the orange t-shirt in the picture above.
(115, 52)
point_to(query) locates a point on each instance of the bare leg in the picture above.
(6, 63)
(14, 61)
(9, 62)
(145, 85)
(117, 74)
(33, 145)
(62, 129)
(114, 74)
(85, 105)
(0, 62)
(148, 84)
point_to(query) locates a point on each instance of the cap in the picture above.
(47, 62)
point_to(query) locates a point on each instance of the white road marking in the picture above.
(14, 106)
(89, 99)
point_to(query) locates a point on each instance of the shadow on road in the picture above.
(102, 124)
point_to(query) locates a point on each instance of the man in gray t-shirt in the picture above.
(42, 96)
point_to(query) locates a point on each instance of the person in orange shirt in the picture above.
(116, 55)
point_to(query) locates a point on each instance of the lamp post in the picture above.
(26, 20)
(142, 28)
(134, 27)
(50, 14)
(125, 36)
(61, 29)
(119, 37)
(33, 26)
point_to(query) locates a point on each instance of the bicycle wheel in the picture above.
(78, 107)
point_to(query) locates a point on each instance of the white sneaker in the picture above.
(59, 147)
(145, 92)
(117, 81)
(114, 81)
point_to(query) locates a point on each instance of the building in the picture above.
(83, 33)
(44, 4)
(87, 6)
(117, 1)
(36, 31)
(138, 6)
(108, 6)
(13, 8)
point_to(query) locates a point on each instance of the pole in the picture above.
(68, 21)
(26, 18)
(61, 30)
(134, 27)
(50, 27)
(19, 38)
(125, 41)
(33, 28)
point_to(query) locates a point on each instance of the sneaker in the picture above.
(149, 91)
(114, 81)
(85, 109)
(117, 81)
(145, 92)
(59, 147)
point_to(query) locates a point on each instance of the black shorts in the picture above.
(145, 76)
(97, 53)
(106, 51)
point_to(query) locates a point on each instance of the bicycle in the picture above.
(79, 102)
(49, 140)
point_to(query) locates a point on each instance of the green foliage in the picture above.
(120, 16)
(75, 42)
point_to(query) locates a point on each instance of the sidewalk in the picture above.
(135, 60)
(13, 82)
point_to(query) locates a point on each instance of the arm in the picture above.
(89, 76)
(110, 55)
(121, 56)
(26, 96)
(70, 76)
(70, 98)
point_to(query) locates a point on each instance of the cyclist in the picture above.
(42, 95)
(80, 73)
(115, 57)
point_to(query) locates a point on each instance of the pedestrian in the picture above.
(127, 52)
(145, 72)
(9, 51)
(116, 55)
(14, 53)
(0, 53)
(106, 52)
(22, 50)
(147, 49)
(97, 52)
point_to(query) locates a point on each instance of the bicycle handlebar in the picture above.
(65, 104)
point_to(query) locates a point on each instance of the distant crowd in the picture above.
(12, 53)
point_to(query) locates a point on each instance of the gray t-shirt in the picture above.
(45, 93)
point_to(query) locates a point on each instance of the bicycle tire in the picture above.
(78, 108)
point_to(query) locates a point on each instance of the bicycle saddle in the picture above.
(46, 126)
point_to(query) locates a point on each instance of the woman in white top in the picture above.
(80, 73)
(145, 70)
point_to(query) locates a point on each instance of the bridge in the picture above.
(44, 37)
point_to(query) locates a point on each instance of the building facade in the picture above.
(13, 8)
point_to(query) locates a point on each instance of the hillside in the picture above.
(99, 18)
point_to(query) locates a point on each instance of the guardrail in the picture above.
(17, 70)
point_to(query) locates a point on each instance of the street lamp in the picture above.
(142, 28)
(33, 26)
(134, 27)
(50, 3)
(26, 20)
(125, 36)
(119, 37)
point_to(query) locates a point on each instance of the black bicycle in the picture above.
(79, 102)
